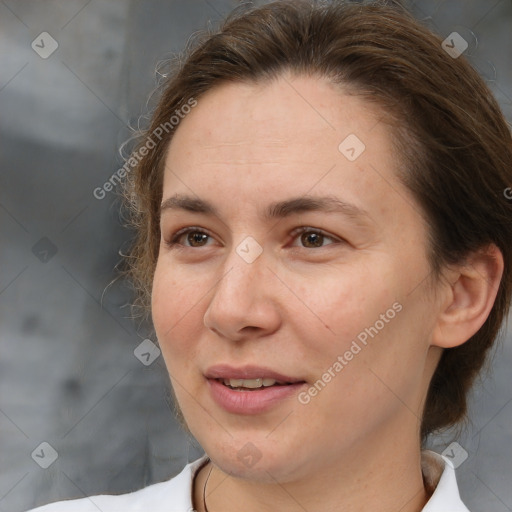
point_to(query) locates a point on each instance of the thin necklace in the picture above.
(204, 490)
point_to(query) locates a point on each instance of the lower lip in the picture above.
(251, 402)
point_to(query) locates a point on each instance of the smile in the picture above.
(251, 384)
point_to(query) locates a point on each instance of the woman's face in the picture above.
(341, 311)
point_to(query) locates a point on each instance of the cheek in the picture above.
(341, 305)
(163, 298)
(364, 328)
(174, 304)
(378, 357)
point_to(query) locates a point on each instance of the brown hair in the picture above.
(452, 140)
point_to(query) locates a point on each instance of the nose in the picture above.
(245, 299)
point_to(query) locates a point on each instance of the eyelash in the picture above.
(173, 242)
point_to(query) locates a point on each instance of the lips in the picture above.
(250, 389)
(248, 372)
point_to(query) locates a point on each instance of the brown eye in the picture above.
(193, 237)
(196, 237)
(314, 238)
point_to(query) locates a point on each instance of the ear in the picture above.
(469, 298)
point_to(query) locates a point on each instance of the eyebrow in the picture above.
(279, 209)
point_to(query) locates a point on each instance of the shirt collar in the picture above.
(439, 477)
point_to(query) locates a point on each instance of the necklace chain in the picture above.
(204, 490)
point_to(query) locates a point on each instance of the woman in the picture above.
(324, 243)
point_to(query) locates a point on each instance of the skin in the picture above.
(297, 307)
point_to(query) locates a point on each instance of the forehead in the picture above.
(257, 143)
(279, 115)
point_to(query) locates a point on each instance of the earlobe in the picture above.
(470, 297)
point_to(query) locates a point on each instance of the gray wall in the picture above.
(68, 374)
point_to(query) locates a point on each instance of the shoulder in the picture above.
(174, 495)
(439, 474)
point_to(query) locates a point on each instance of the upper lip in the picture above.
(224, 371)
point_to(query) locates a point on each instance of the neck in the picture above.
(377, 477)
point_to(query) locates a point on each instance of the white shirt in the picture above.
(175, 495)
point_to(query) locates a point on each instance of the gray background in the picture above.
(68, 374)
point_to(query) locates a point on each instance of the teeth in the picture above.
(250, 383)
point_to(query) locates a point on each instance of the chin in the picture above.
(255, 459)
(263, 471)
